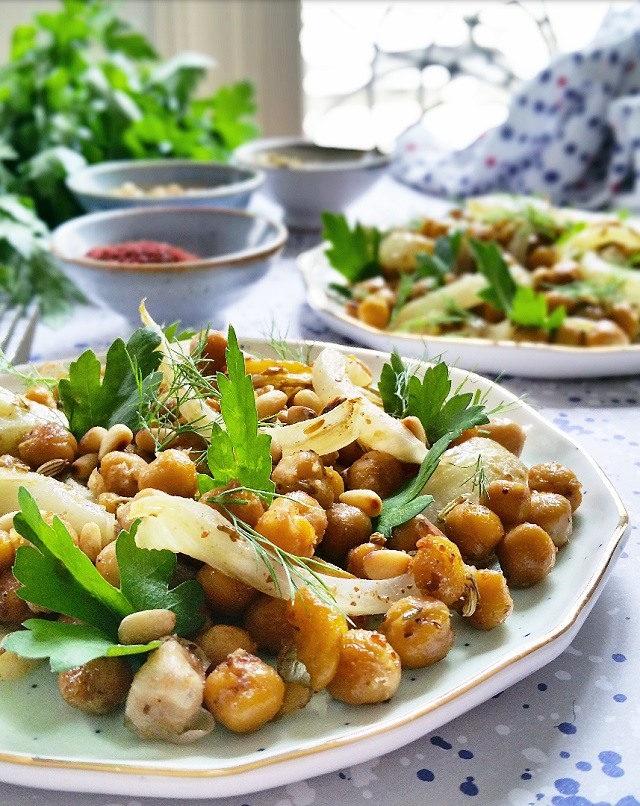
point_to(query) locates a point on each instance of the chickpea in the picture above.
(510, 500)
(551, 477)
(474, 528)
(605, 333)
(419, 629)
(296, 697)
(495, 604)
(374, 310)
(266, 622)
(347, 527)
(224, 594)
(13, 609)
(212, 350)
(369, 669)
(243, 692)
(553, 513)
(173, 472)
(439, 570)
(507, 433)
(249, 511)
(627, 318)
(304, 471)
(526, 555)
(406, 536)
(40, 393)
(318, 631)
(348, 455)
(221, 640)
(286, 527)
(96, 687)
(45, 442)
(377, 471)
(121, 472)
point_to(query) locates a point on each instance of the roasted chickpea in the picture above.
(474, 528)
(419, 629)
(310, 509)
(250, 510)
(224, 594)
(439, 570)
(266, 622)
(304, 471)
(45, 442)
(377, 471)
(495, 604)
(173, 472)
(212, 349)
(221, 640)
(551, 477)
(406, 536)
(243, 692)
(510, 500)
(507, 433)
(40, 393)
(286, 527)
(347, 527)
(121, 472)
(96, 687)
(318, 630)
(552, 512)
(526, 555)
(13, 609)
(369, 669)
(605, 333)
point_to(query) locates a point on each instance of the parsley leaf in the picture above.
(239, 452)
(353, 252)
(130, 377)
(404, 394)
(442, 261)
(55, 574)
(144, 580)
(67, 645)
(522, 305)
(409, 501)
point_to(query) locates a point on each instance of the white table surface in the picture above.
(568, 735)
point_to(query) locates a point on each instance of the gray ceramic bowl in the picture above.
(211, 184)
(306, 179)
(235, 248)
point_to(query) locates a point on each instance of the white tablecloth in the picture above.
(568, 735)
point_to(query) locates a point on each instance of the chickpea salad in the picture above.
(497, 268)
(199, 537)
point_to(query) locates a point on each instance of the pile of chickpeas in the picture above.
(592, 320)
(464, 565)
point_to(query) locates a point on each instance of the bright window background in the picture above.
(366, 76)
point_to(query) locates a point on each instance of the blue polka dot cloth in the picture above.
(572, 134)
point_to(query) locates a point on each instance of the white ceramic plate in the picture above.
(527, 360)
(47, 744)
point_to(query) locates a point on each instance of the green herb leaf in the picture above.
(353, 252)
(67, 645)
(442, 261)
(55, 574)
(145, 576)
(409, 500)
(394, 386)
(522, 305)
(130, 378)
(239, 452)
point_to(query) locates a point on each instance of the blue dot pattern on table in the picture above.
(570, 134)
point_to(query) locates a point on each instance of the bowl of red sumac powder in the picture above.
(188, 263)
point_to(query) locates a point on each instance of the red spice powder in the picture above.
(141, 252)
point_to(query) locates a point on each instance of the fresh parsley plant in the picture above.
(353, 252)
(522, 305)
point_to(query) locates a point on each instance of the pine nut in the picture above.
(107, 565)
(385, 564)
(84, 465)
(366, 500)
(90, 540)
(308, 398)
(91, 441)
(414, 425)
(145, 626)
(275, 450)
(335, 480)
(96, 483)
(270, 403)
(374, 311)
(116, 439)
(145, 441)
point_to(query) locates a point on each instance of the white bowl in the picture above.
(235, 248)
(210, 184)
(306, 179)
